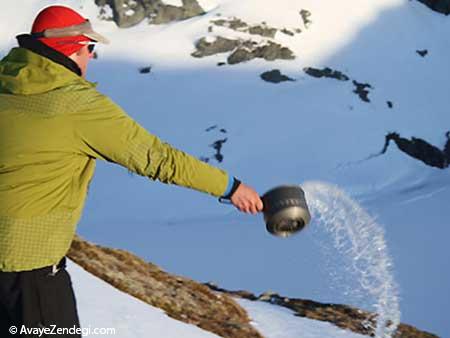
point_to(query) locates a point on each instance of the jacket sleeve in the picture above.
(103, 130)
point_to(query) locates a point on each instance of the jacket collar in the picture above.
(28, 42)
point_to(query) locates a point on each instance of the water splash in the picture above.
(360, 240)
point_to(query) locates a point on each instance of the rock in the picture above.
(168, 13)
(268, 296)
(105, 12)
(273, 51)
(211, 128)
(421, 150)
(440, 6)
(305, 14)
(238, 25)
(262, 29)
(217, 146)
(447, 148)
(275, 76)
(288, 32)
(181, 298)
(361, 90)
(326, 72)
(270, 52)
(127, 13)
(343, 316)
(233, 23)
(217, 46)
(240, 55)
(145, 70)
(422, 53)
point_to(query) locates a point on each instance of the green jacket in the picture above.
(53, 126)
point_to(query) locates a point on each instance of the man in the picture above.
(53, 126)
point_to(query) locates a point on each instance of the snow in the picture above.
(208, 5)
(311, 129)
(276, 322)
(101, 306)
(177, 3)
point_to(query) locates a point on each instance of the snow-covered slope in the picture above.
(275, 322)
(104, 311)
(310, 129)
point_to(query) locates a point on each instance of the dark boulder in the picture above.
(326, 72)
(269, 52)
(127, 13)
(422, 53)
(238, 25)
(218, 46)
(421, 150)
(240, 55)
(362, 90)
(273, 51)
(440, 6)
(275, 76)
(305, 14)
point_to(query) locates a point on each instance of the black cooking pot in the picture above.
(285, 210)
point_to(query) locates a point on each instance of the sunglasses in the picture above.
(90, 45)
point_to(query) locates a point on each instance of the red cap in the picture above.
(60, 17)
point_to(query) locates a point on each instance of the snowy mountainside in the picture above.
(307, 129)
(101, 306)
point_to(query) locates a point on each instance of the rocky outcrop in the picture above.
(262, 29)
(242, 50)
(206, 305)
(275, 76)
(207, 46)
(270, 51)
(440, 6)
(217, 145)
(343, 316)
(180, 297)
(326, 72)
(361, 89)
(421, 150)
(306, 15)
(145, 70)
(422, 52)
(127, 13)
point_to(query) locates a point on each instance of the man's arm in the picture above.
(103, 130)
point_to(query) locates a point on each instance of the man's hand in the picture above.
(247, 200)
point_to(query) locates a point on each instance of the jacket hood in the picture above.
(24, 72)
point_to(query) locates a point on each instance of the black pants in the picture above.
(37, 299)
